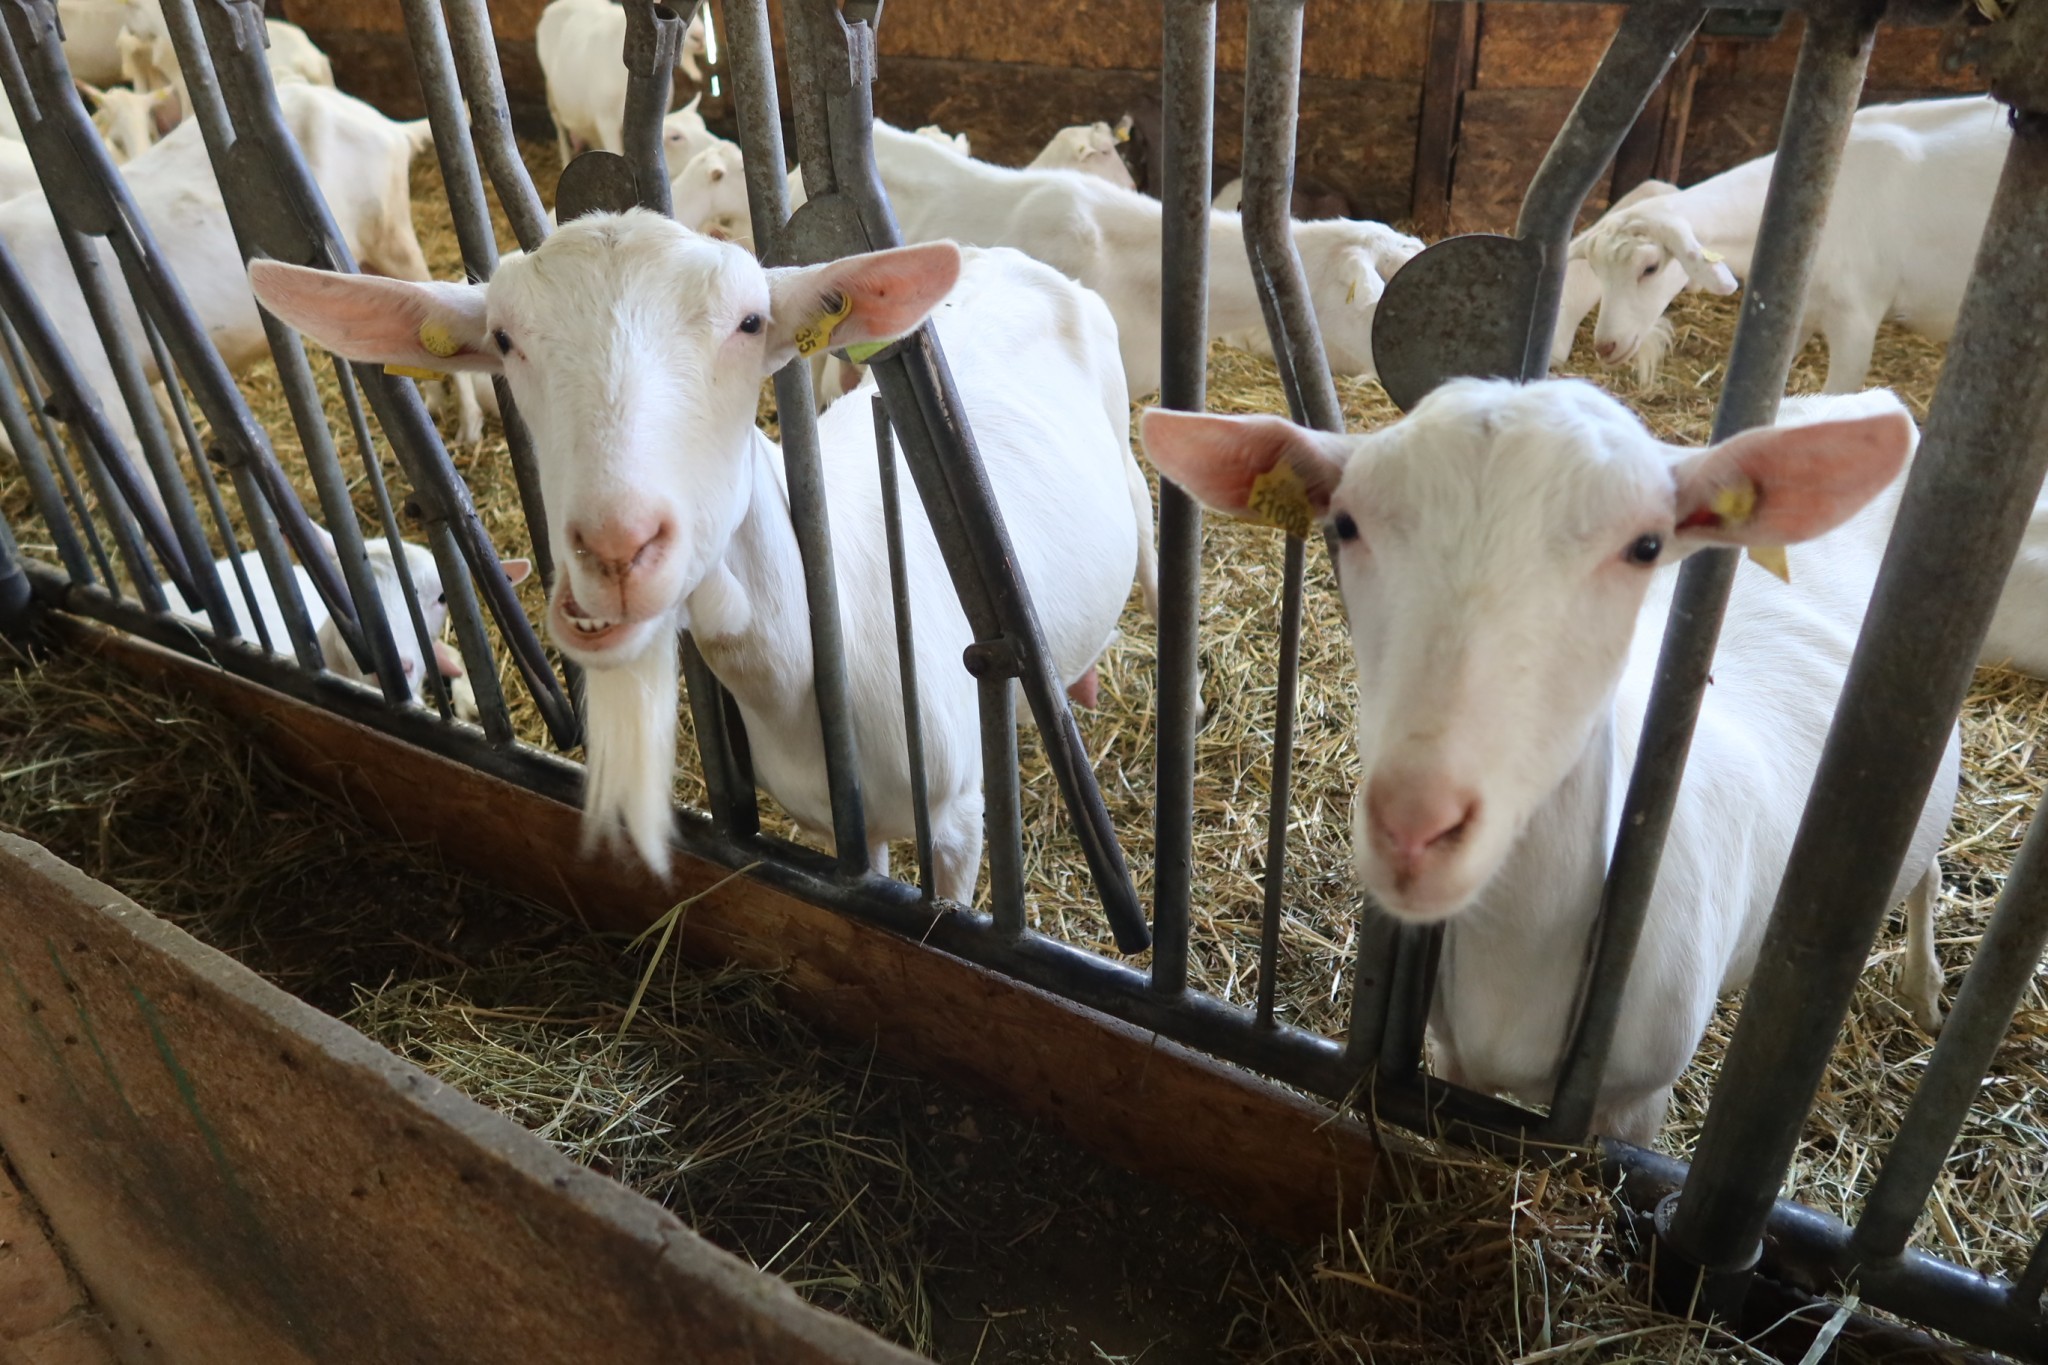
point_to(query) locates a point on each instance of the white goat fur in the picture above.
(1909, 205)
(360, 160)
(149, 60)
(92, 31)
(1108, 239)
(631, 361)
(581, 45)
(1506, 647)
(1090, 148)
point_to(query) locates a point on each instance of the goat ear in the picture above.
(516, 570)
(446, 661)
(427, 326)
(1704, 270)
(1782, 485)
(875, 297)
(165, 111)
(1265, 469)
(90, 93)
(1360, 278)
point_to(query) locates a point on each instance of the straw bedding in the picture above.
(836, 1172)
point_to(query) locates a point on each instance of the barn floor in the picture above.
(943, 1223)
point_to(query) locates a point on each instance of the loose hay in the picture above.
(1422, 1284)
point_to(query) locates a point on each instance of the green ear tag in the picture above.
(1278, 499)
(863, 351)
(813, 337)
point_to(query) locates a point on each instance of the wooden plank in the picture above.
(45, 1316)
(1502, 136)
(1009, 110)
(1366, 39)
(240, 1178)
(1453, 48)
(1256, 1151)
(1542, 46)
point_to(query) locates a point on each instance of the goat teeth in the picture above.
(587, 625)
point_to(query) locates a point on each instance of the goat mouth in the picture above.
(583, 632)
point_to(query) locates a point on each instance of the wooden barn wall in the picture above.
(1011, 73)
(366, 39)
(1533, 58)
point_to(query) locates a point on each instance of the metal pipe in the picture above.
(1286, 693)
(132, 386)
(906, 647)
(1965, 509)
(1637, 58)
(373, 473)
(195, 450)
(1818, 108)
(50, 451)
(1999, 975)
(654, 41)
(2033, 1281)
(42, 485)
(1003, 810)
(490, 121)
(1188, 76)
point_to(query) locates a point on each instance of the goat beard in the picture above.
(629, 746)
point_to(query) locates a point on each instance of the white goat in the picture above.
(671, 507)
(130, 121)
(1910, 202)
(149, 61)
(360, 160)
(582, 49)
(426, 581)
(1505, 554)
(1090, 148)
(92, 32)
(1108, 239)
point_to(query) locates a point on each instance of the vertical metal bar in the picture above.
(2033, 1281)
(1818, 108)
(42, 485)
(1999, 975)
(654, 40)
(1272, 93)
(373, 471)
(1644, 46)
(1965, 509)
(754, 94)
(721, 739)
(17, 607)
(490, 121)
(906, 646)
(470, 638)
(195, 450)
(1003, 812)
(132, 387)
(50, 452)
(1286, 694)
(434, 62)
(1373, 970)
(131, 515)
(1189, 87)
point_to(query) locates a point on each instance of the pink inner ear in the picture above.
(1216, 459)
(1808, 479)
(893, 291)
(446, 660)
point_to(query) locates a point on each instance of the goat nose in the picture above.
(618, 546)
(1412, 819)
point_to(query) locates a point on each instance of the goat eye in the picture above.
(504, 341)
(1652, 269)
(1644, 549)
(1347, 529)
(751, 323)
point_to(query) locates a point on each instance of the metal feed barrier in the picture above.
(1472, 305)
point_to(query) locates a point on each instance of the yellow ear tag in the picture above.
(1771, 559)
(411, 372)
(816, 336)
(438, 340)
(1351, 294)
(1277, 499)
(1736, 505)
(1712, 257)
